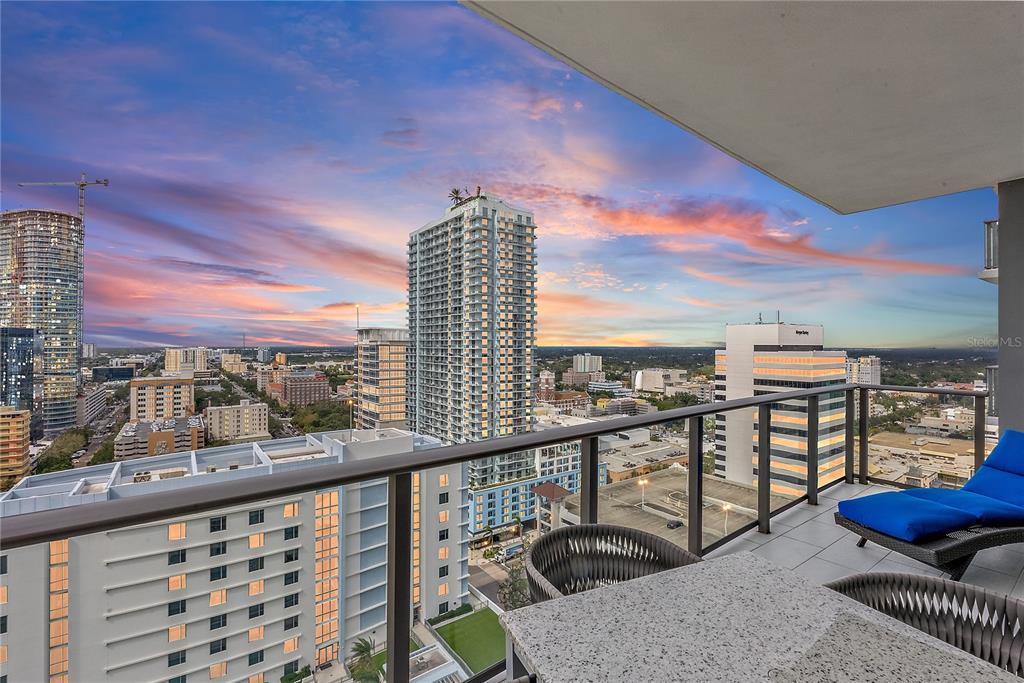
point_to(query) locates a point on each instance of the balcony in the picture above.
(160, 541)
(990, 273)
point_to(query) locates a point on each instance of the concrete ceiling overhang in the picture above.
(857, 105)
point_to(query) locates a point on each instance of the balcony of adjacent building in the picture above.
(990, 271)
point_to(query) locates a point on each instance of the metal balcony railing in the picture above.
(38, 527)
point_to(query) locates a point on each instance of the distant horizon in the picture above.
(267, 163)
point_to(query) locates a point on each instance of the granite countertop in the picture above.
(735, 618)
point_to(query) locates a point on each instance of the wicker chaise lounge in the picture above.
(945, 528)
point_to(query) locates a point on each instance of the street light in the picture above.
(643, 492)
(726, 508)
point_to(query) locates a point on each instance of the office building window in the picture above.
(3, 624)
(256, 587)
(3, 565)
(218, 597)
(256, 678)
(218, 573)
(175, 633)
(291, 510)
(289, 668)
(442, 480)
(219, 621)
(442, 516)
(255, 657)
(176, 658)
(256, 517)
(442, 535)
(176, 556)
(218, 645)
(442, 571)
(291, 555)
(177, 679)
(442, 553)
(442, 608)
(442, 498)
(218, 548)
(255, 633)
(290, 578)
(219, 669)
(291, 622)
(442, 589)
(291, 645)
(176, 582)
(256, 611)
(176, 532)
(256, 564)
(255, 541)
(175, 607)
(291, 600)
(291, 532)
(218, 524)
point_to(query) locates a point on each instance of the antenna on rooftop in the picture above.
(759, 319)
(778, 316)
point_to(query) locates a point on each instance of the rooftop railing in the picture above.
(38, 527)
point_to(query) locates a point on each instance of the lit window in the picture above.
(256, 587)
(3, 654)
(218, 597)
(442, 553)
(256, 540)
(256, 678)
(291, 645)
(176, 532)
(442, 516)
(219, 669)
(442, 480)
(58, 551)
(442, 589)
(176, 582)
(255, 633)
(291, 510)
(175, 633)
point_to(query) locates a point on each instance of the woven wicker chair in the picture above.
(573, 559)
(987, 625)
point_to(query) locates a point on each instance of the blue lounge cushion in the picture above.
(996, 483)
(901, 516)
(1008, 455)
(990, 511)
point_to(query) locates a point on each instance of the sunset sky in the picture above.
(267, 163)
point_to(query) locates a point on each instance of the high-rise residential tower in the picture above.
(472, 313)
(864, 370)
(380, 377)
(179, 359)
(41, 275)
(20, 351)
(774, 357)
(585, 362)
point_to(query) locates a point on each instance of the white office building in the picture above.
(472, 317)
(768, 358)
(864, 370)
(244, 593)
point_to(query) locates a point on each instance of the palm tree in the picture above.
(518, 521)
(455, 195)
(362, 659)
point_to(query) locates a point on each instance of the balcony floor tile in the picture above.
(822, 571)
(787, 552)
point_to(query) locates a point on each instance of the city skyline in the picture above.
(248, 168)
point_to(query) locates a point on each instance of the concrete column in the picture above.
(1011, 305)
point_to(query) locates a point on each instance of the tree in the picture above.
(455, 195)
(361, 664)
(514, 591)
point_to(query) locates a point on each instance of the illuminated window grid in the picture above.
(58, 611)
(326, 574)
(291, 509)
(255, 633)
(219, 669)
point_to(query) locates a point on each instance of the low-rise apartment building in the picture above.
(161, 398)
(157, 437)
(303, 387)
(247, 421)
(15, 429)
(244, 593)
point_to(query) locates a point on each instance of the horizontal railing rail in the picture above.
(37, 527)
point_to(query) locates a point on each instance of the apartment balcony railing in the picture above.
(39, 527)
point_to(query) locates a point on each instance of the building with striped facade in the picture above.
(765, 358)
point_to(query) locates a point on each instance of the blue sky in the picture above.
(267, 162)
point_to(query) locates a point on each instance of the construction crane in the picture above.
(81, 183)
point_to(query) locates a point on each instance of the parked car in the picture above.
(674, 523)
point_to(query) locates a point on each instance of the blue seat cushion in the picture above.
(990, 512)
(1008, 455)
(906, 517)
(996, 483)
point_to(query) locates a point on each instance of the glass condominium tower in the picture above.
(41, 278)
(472, 324)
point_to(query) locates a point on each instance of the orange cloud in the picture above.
(713, 277)
(694, 301)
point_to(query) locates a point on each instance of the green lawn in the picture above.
(478, 638)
